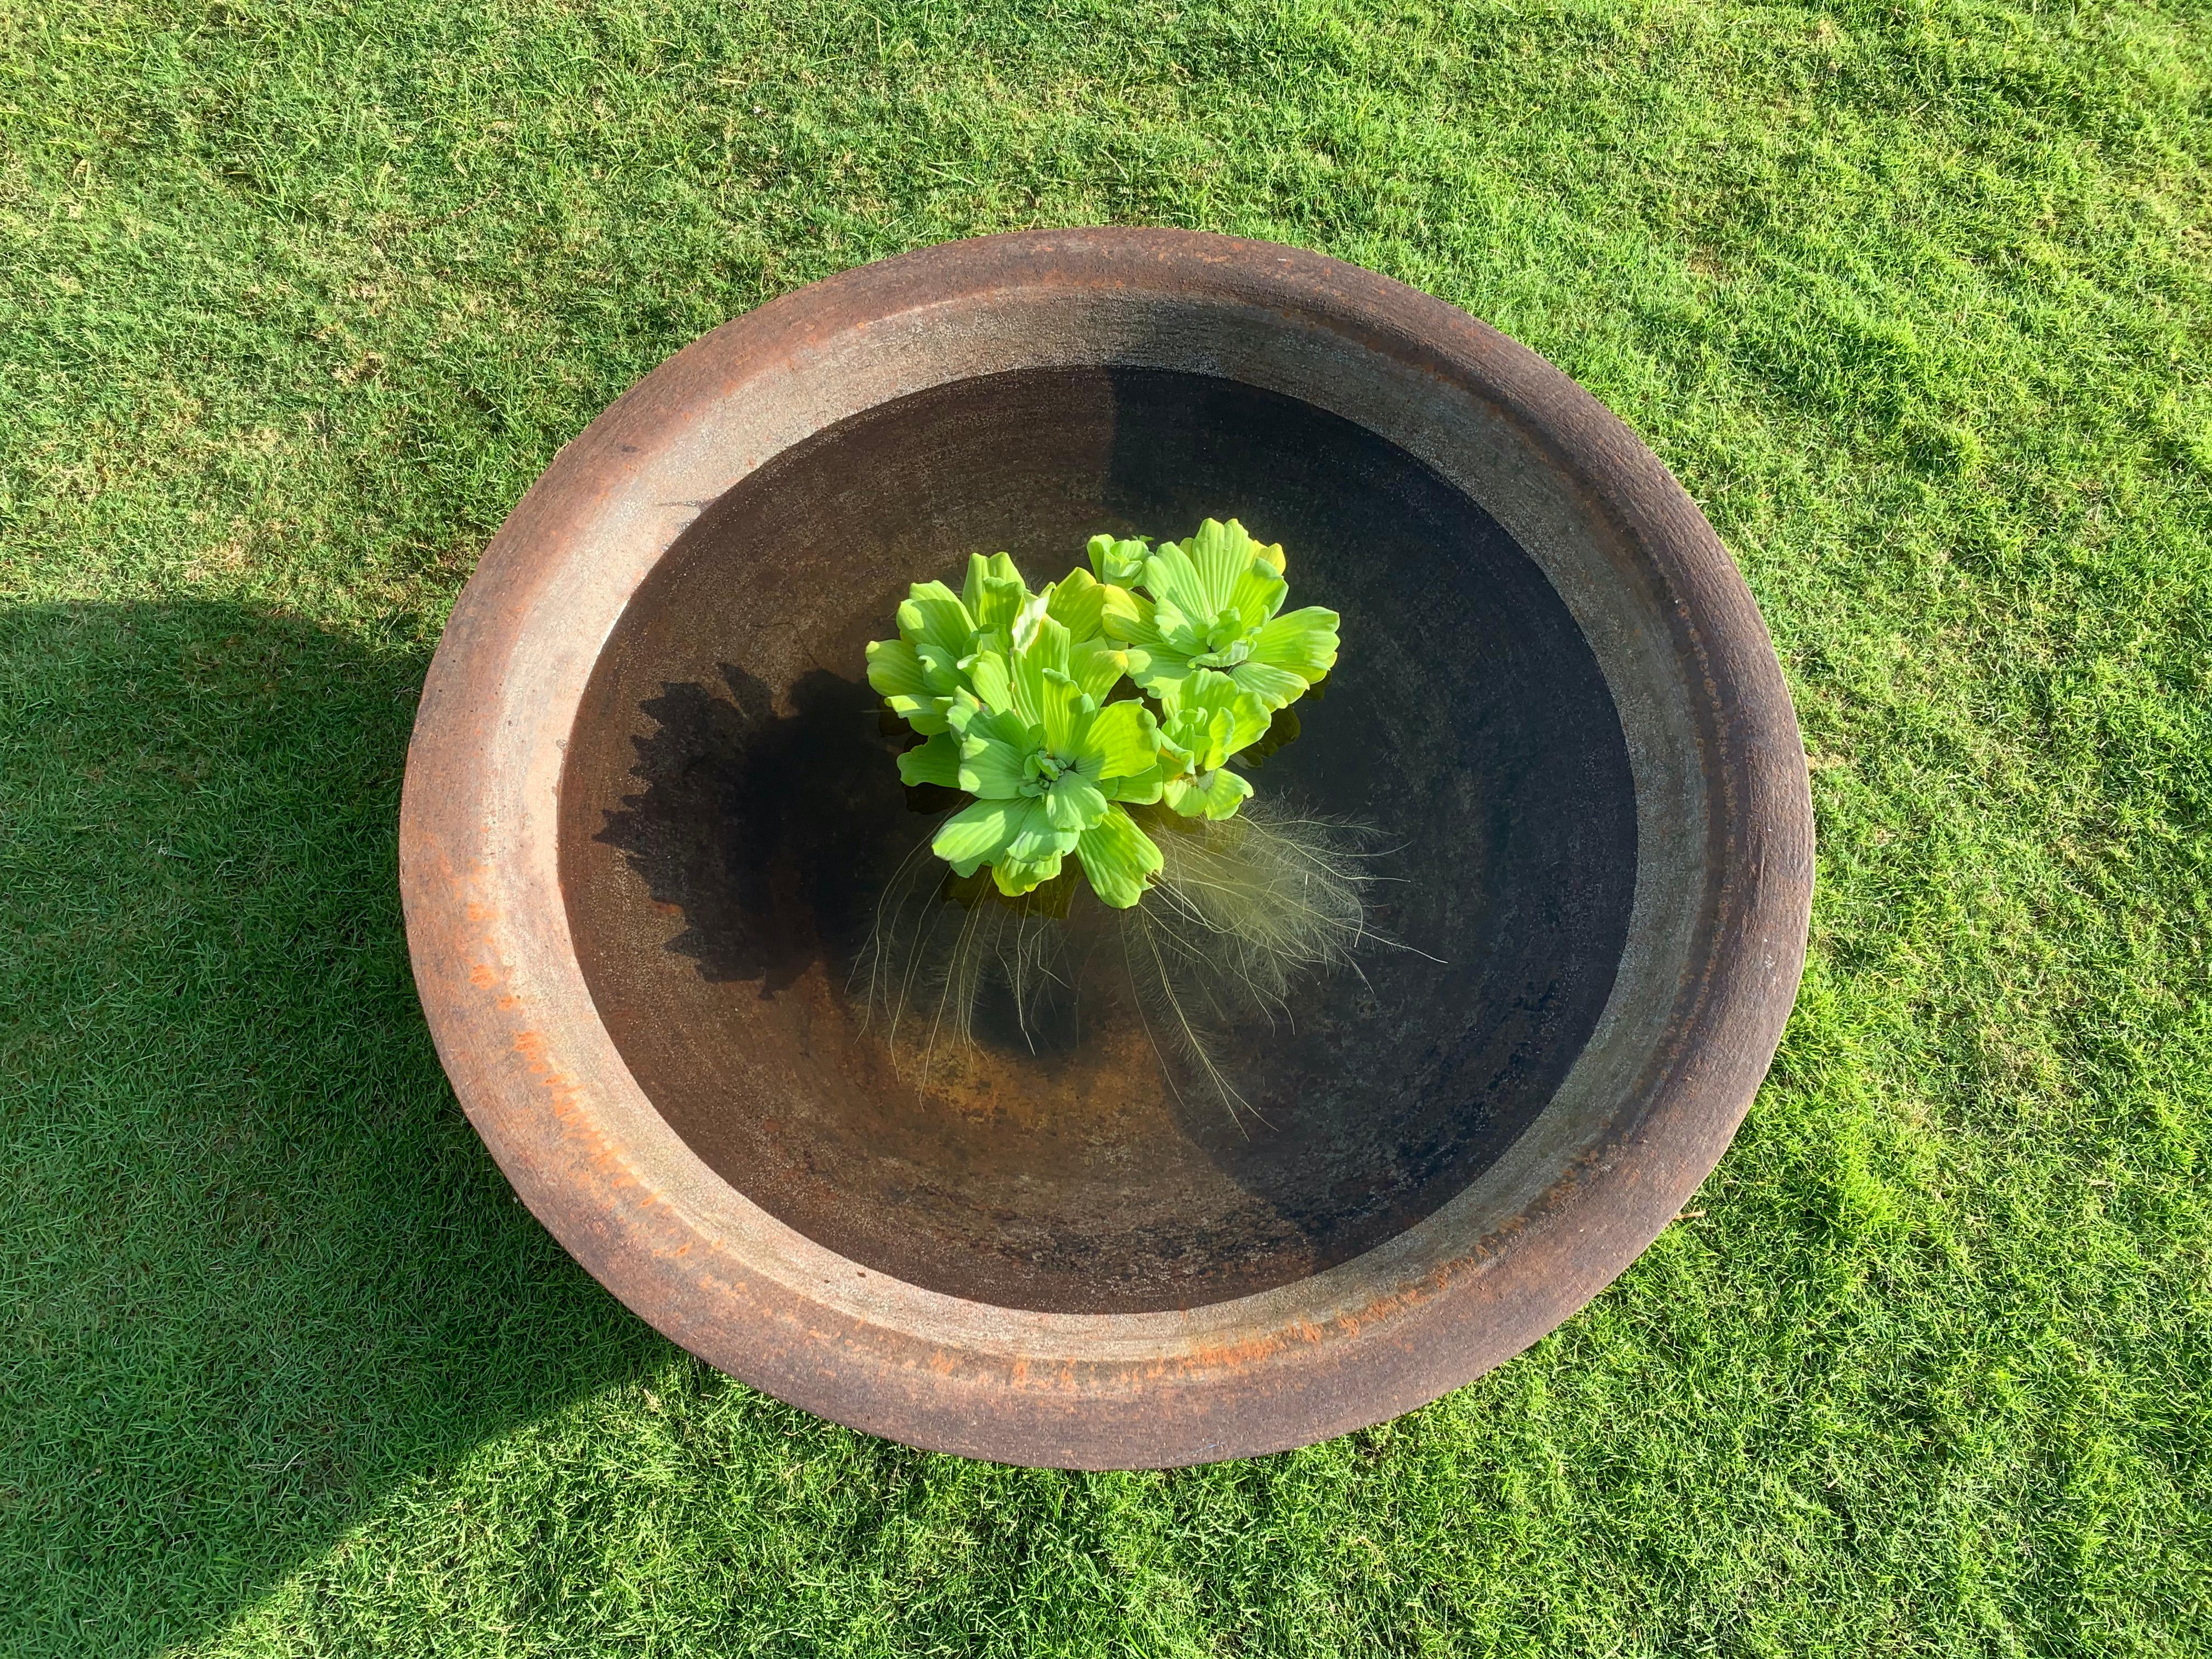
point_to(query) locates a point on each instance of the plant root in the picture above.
(1242, 911)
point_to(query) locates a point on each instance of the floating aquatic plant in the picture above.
(1211, 721)
(1211, 610)
(1012, 692)
(940, 635)
(944, 637)
(1094, 724)
(1050, 770)
(1118, 562)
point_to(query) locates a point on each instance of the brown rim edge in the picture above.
(498, 1028)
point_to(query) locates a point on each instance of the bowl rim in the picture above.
(487, 924)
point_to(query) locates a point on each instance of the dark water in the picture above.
(732, 815)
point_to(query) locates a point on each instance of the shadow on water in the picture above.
(261, 1271)
(763, 830)
(763, 843)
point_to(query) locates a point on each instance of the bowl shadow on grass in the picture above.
(264, 1271)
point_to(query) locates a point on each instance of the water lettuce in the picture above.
(1211, 722)
(940, 633)
(1050, 768)
(1210, 610)
(1015, 693)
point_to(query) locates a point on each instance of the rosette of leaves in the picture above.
(1009, 627)
(1051, 768)
(940, 633)
(1212, 721)
(1210, 609)
(1117, 561)
(943, 635)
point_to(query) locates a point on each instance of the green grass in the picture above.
(1916, 299)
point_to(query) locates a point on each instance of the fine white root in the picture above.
(1258, 900)
(1241, 912)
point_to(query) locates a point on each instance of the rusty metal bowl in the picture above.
(648, 795)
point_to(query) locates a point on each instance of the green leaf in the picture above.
(1215, 794)
(1173, 750)
(1002, 603)
(932, 615)
(1077, 602)
(1304, 641)
(977, 833)
(1016, 877)
(937, 760)
(940, 667)
(1122, 739)
(1116, 561)
(994, 592)
(1060, 702)
(1143, 788)
(970, 717)
(986, 673)
(1075, 802)
(1034, 834)
(1248, 721)
(1220, 555)
(1047, 651)
(1032, 622)
(1178, 631)
(1214, 719)
(1273, 686)
(990, 769)
(1130, 619)
(1161, 670)
(996, 567)
(1096, 665)
(1257, 594)
(1172, 579)
(1118, 857)
(895, 671)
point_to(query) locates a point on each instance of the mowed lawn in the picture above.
(297, 300)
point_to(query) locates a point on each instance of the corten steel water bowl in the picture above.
(649, 801)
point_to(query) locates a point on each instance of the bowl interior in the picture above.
(730, 814)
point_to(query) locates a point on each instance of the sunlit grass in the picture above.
(294, 302)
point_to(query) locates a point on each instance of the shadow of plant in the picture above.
(258, 1267)
(772, 834)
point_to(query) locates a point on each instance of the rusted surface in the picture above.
(1054, 1263)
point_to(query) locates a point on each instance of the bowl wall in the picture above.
(1474, 1162)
